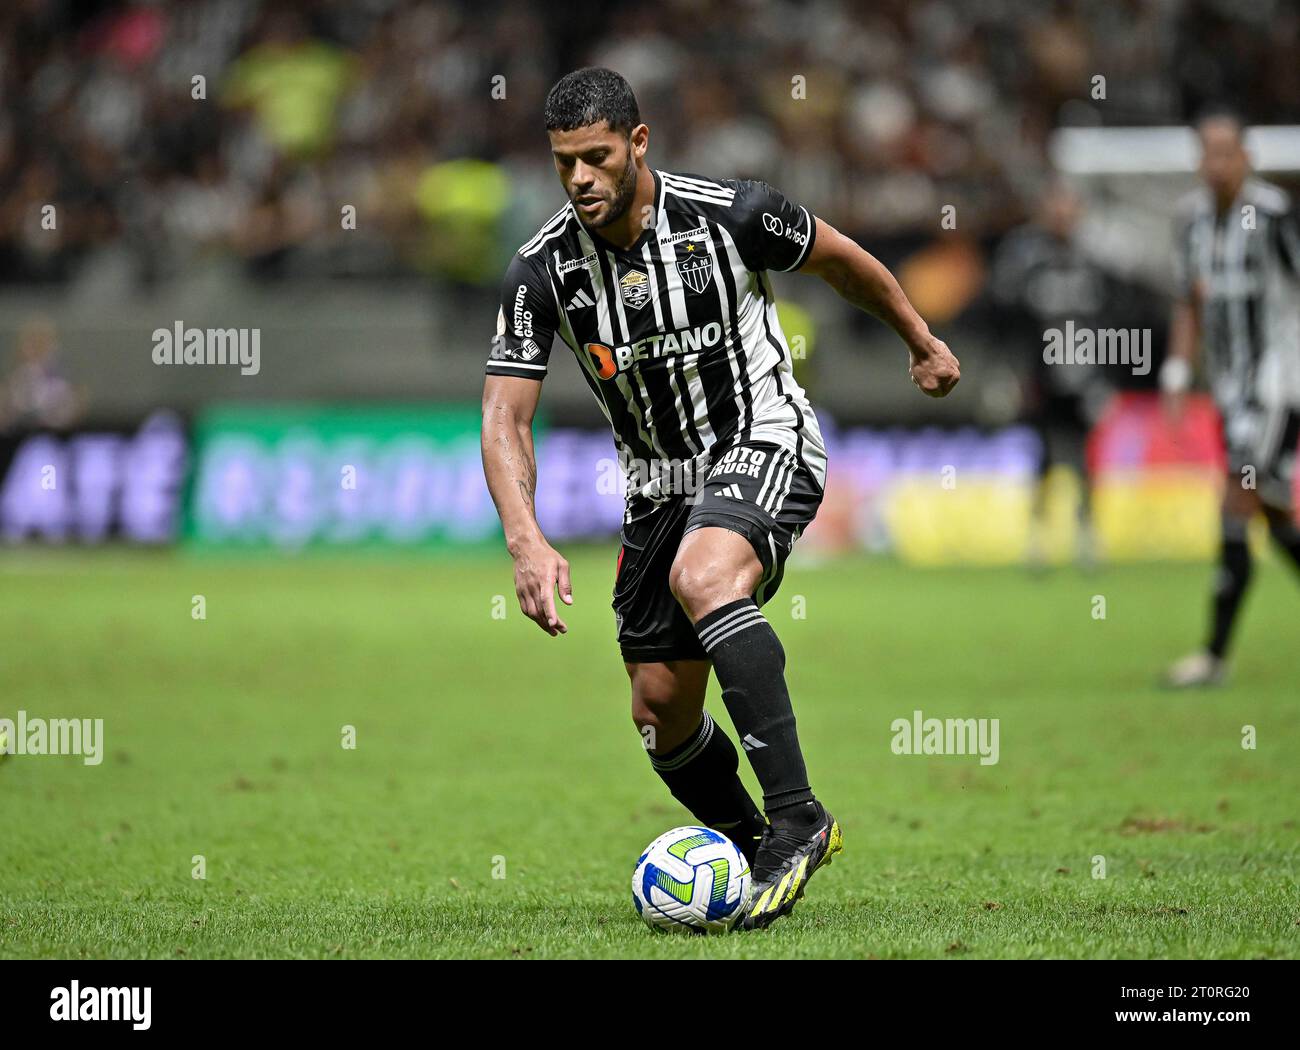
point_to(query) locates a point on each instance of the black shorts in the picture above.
(760, 490)
(1264, 440)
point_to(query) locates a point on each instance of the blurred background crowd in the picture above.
(350, 177)
(389, 105)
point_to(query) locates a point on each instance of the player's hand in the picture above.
(539, 572)
(934, 370)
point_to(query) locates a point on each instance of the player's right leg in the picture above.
(1207, 666)
(692, 755)
(1277, 483)
(1285, 532)
(669, 672)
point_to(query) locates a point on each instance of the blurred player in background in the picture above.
(658, 282)
(1044, 279)
(1238, 264)
(35, 392)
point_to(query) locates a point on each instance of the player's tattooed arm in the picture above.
(528, 485)
(510, 467)
(864, 281)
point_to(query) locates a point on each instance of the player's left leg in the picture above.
(1208, 665)
(1260, 479)
(731, 558)
(714, 577)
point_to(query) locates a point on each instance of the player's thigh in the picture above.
(652, 626)
(668, 699)
(714, 565)
(1275, 462)
(764, 494)
(721, 556)
(1240, 502)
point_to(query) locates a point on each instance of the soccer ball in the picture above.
(691, 879)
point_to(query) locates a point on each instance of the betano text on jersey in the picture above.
(677, 336)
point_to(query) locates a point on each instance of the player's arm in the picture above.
(865, 282)
(510, 466)
(515, 369)
(1180, 356)
(1184, 333)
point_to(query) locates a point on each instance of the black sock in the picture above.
(1287, 536)
(750, 664)
(1234, 578)
(702, 775)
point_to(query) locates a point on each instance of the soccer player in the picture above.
(1044, 279)
(658, 283)
(1238, 259)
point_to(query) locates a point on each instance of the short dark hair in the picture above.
(588, 96)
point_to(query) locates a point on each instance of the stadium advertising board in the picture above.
(350, 476)
(92, 485)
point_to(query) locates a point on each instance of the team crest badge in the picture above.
(695, 266)
(634, 286)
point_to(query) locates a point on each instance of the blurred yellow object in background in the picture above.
(800, 328)
(463, 201)
(1156, 513)
(980, 520)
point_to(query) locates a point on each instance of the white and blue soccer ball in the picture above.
(693, 880)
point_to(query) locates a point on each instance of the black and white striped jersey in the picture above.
(677, 336)
(1243, 266)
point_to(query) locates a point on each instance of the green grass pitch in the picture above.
(485, 748)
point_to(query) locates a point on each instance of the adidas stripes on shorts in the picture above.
(760, 490)
(1265, 439)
